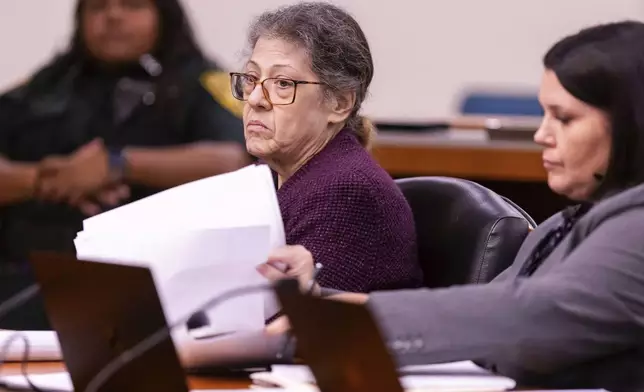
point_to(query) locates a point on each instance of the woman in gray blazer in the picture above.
(569, 313)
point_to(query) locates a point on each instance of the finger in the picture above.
(283, 267)
(291, 255)
(123, 191)
(74, 196)
(75, 199)
(88, 208)
(108, 198)
(271, 273)
(279, 326)
(115, 195)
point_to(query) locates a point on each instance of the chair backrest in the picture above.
(498, 103)
(466, 232)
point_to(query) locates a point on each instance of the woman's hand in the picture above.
(278, 326)
(77, 176)
(290, 262)
(281, 324)
(110, 197)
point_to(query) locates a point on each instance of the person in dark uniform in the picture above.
(132, 108)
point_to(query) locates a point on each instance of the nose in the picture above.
(543, 136)
(114, 11)
(257, 99)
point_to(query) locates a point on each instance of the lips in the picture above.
(549, 165)
(256, 126)
(257, 123)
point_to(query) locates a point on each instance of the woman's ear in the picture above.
(341, 106)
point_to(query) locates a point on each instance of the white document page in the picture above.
(43, 345)
(191, 267)
(460, 367)
(457, 376)
(245, 197)
(200, 240)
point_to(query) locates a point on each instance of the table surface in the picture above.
(473, 138)
(464, 153)
(195, 382)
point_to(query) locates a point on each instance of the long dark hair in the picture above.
(604, 67)
(175, 47)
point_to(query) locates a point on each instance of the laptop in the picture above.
(340, 342)
(100, 310)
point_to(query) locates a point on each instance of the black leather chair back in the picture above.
(466, 232)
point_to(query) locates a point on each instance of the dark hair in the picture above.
(603, 66)
(175, 47)
(337, 47)
(176, 41)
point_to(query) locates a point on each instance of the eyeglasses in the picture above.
(278, 91)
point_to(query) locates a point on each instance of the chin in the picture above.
(118, 56)
(567, 190)
(257, 148)
(558, 186)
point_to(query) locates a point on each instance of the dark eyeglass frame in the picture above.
(261, 83)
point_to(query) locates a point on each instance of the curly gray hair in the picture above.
(336, 45)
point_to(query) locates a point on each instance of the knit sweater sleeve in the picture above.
(341, 224)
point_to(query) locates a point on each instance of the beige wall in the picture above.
(425, 51)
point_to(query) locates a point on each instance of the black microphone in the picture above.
(161, 334)
(150, 65)
(598, 177)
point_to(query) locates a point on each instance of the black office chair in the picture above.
(466, 232)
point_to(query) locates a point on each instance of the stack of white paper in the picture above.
(199, 240)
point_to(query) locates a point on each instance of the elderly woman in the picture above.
(303, 86)
(569, 313)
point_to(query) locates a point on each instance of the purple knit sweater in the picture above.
(348, 212)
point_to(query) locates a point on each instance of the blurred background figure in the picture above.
(131, 108)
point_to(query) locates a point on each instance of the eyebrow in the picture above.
(278, 66)
(554, 108)
(561, 111)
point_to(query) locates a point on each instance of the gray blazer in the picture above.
(577, 322)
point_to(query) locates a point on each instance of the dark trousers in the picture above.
(17, 239)
(30, 315)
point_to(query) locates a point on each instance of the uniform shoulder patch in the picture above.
(217, 83)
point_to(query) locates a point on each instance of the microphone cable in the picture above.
(24, 362)
(163, 333)
(18, 299)
(9, 305)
